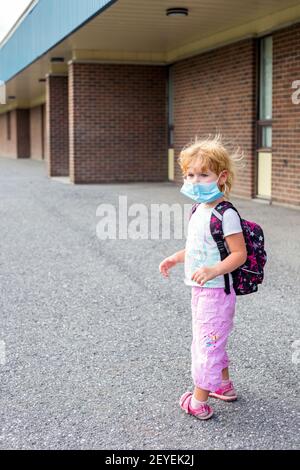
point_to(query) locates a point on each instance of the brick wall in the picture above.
(286, 117)
(57, 129)
(23, 133)
(118, 123)
(215, 91)
(18, 145)
(36, 133)
(8, 147)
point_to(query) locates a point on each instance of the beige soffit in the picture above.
(138, 31)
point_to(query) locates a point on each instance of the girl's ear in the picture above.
(223, 177)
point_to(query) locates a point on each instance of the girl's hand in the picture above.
(204, 274)
(166, 264)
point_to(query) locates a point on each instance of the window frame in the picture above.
(170, 101)
(262, 123)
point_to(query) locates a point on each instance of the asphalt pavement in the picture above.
(95, 343)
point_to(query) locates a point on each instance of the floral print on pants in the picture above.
(212, 318)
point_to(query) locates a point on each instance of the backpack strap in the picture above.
(216, 229)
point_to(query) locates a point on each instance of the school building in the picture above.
(110, 91)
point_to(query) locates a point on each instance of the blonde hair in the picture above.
(214, 156)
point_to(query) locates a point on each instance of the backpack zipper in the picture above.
(249, 271)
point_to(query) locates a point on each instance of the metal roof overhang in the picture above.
(139, 32)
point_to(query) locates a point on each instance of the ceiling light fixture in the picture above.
(57, 59)
(177, 12)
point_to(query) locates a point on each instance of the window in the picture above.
(170, 108)
(8, 126)
(265, 94)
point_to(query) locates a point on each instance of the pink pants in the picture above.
(212, 314)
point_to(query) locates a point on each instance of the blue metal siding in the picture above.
(47, 24)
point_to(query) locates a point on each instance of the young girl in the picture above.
(208, 170)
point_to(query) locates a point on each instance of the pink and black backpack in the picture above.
(247, 277)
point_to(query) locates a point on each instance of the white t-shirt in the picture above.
(201, 249)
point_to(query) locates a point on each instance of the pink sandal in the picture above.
(226, 393)
(204, 412)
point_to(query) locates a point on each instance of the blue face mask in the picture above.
(202, 192)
